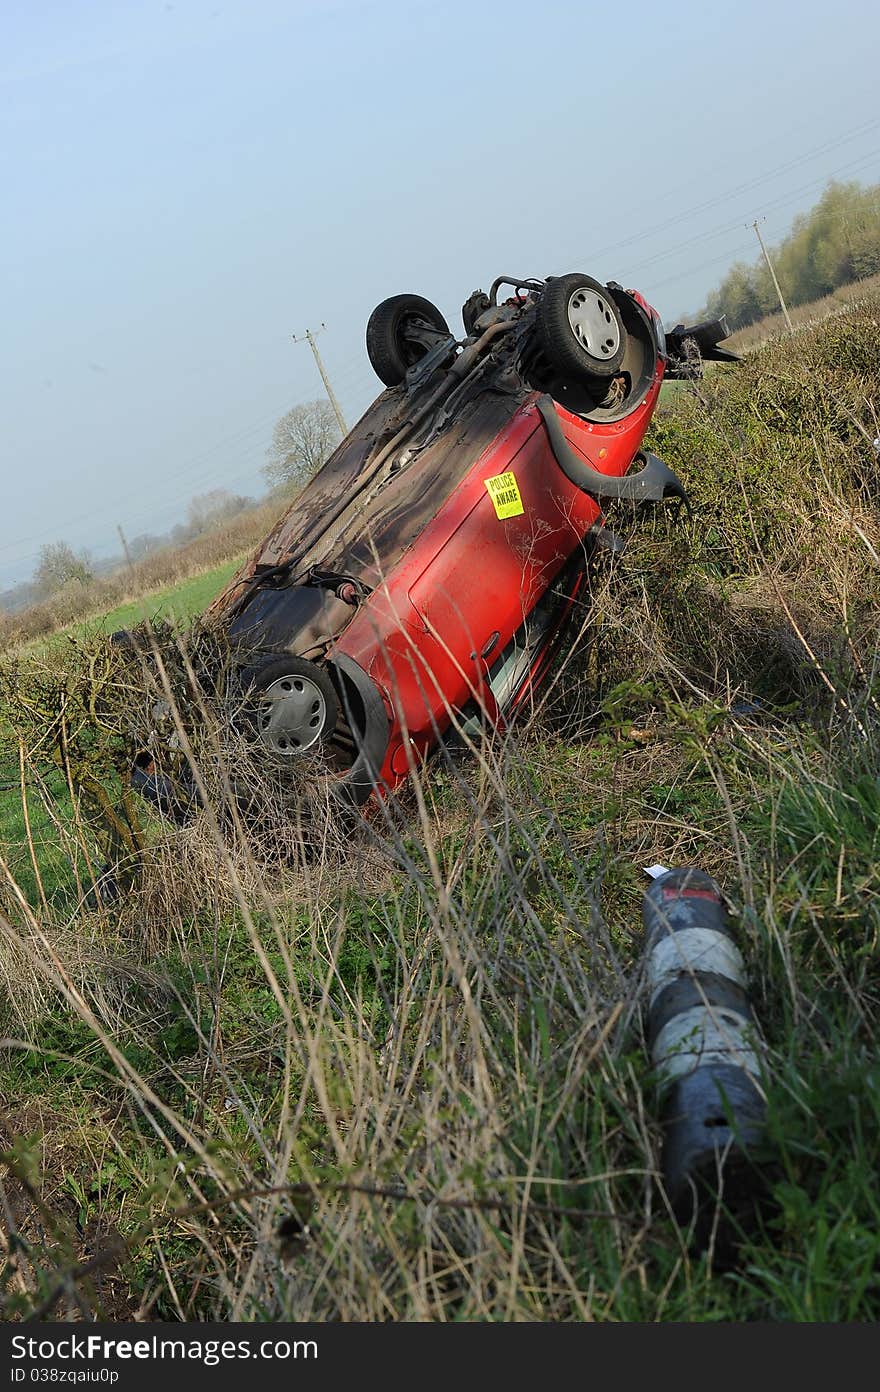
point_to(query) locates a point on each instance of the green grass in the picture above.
(181, 601)
(58, 867)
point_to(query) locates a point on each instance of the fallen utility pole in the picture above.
(707, 1056)
(772, 274)
(331, 395)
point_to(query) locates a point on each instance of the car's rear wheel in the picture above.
(579, 330)
(401, 330)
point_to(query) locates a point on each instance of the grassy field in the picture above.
(396, 1068)
(157, 576)
(61, 867)
(180, 602)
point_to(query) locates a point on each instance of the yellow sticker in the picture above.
(504, 492)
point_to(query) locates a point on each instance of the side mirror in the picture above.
(689, 346)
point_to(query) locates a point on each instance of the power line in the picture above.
(853, 133)
(353, 370)
(784, 200)
(354, 366)
(746, 187)
(704, 265)
(237, 437)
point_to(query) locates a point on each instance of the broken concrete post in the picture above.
(705, 1050)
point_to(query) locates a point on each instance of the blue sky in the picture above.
(186, 185)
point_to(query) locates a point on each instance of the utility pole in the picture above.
(772, 274)
(331, 395)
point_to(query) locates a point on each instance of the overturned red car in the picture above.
(423, 577)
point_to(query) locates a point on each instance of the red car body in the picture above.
(423, 577)
(427, 638)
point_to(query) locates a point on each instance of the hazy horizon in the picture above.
(188, 185)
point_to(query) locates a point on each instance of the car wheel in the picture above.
(578, 328)
(293, 704)
(400, 331)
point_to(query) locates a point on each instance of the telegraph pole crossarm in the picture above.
(331, 395)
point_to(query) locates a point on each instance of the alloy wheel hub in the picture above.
(292, 714)
(593, 323)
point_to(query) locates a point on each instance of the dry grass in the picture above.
(401, 1079)
(391, 1066)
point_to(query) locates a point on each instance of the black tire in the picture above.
(290, 742)
(388, 349)
(598, 352)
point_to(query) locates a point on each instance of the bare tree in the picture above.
(59, 563)
(301, 442)
(206, 510)
(143, 545)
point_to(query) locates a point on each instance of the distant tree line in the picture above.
(60, 567)
(837, 242)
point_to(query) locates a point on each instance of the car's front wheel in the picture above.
(293, 705)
